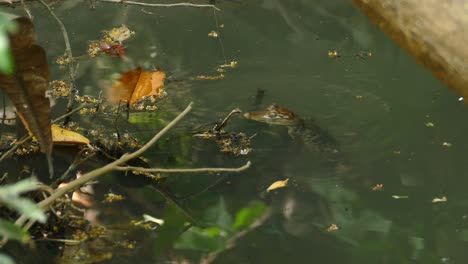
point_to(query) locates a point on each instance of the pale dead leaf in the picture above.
(67, 137)
(278, 184)
(438, 200)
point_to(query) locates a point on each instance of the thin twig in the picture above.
(92, 175)
(220, 35)
(69, 54)
(68, 49)
(26, 9)
(159, 5)
(141, 169)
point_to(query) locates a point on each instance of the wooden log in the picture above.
(435, 32)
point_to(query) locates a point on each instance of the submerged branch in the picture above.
(159, 5)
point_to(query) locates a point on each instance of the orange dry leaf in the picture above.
(67, 137)
(136, 84)
(278, 184)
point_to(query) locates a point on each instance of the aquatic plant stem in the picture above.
(159, 5)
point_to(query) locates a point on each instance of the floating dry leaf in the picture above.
(28, 85)
(438, 200)
(120, 34)
(332, 227)
(135, 85)
(67, 137)
(111, 197)
(213, 34)
(430, 124)
(231, 64)
(377, 187)
(333, 54)
(400, 196)
(278, 184)
(447, 144)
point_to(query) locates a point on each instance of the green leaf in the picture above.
(208, 239)
(11, 231)
(27, 208)
(9, 195)
(6, 59)
(174, 220)
(248, 215)
(9, 190)
(219, 216)
(4, 259)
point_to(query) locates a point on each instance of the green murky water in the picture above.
(378, 109)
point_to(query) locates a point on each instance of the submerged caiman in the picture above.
(315, 139)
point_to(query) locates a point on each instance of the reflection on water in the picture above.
(376, 109)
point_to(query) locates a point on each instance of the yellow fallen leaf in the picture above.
(67, 137)
(213, 34)
(278, 184)
(438, 200)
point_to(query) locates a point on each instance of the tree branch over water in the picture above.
(141, 169)
(116, 165)
(158, 5)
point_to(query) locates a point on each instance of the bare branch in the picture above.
(113, 165)
(141, 169)
(159, 5)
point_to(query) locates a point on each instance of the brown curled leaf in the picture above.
(27, 86)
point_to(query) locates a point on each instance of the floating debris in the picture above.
(333, 54)
(400, 196)
(211, 78)
(439, 200)
(332, 227)
(213, 34)
(236, 143)
(447, 144)
(231, 64)
(430, 124)
(377, 187)
(111, 197)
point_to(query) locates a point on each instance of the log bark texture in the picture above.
(435, 32)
